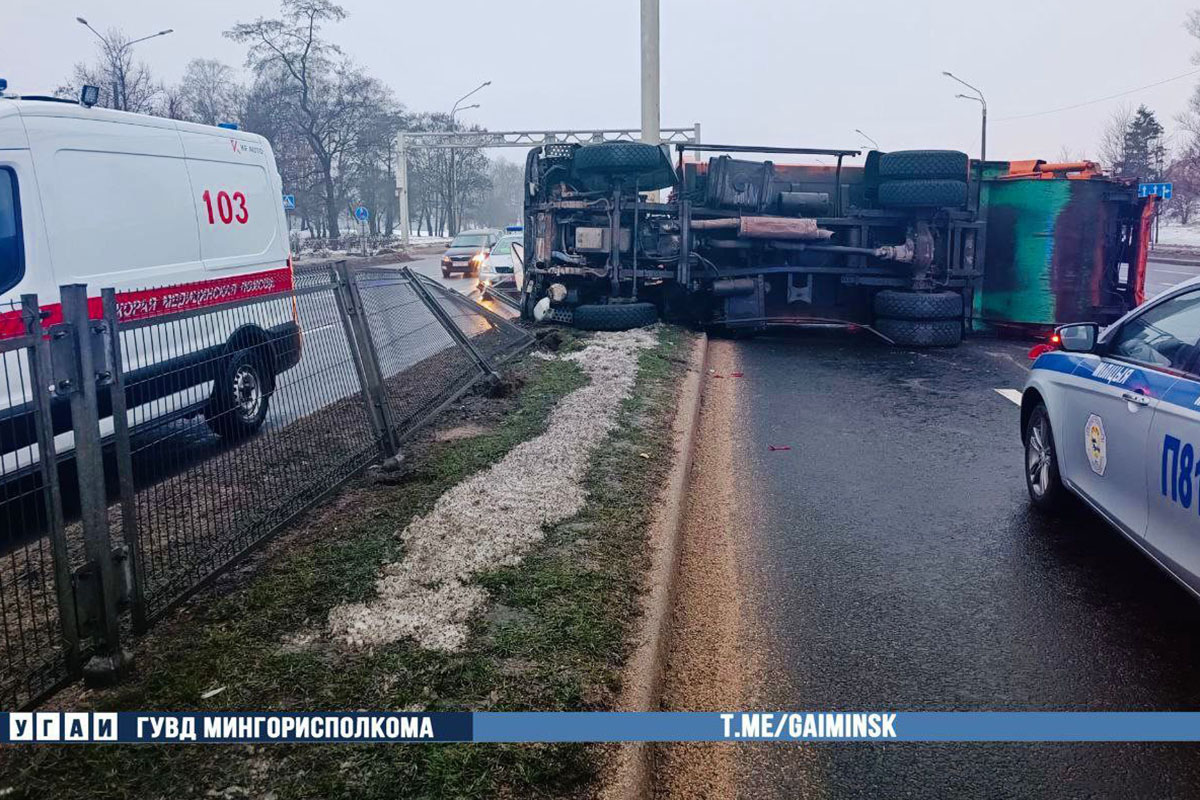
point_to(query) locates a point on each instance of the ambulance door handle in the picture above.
(1136, 398)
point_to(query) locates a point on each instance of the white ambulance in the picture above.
(176, 217)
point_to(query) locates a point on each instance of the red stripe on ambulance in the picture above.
(142, 304)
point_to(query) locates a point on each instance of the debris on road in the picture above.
(429, 596)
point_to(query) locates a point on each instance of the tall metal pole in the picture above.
(451, 213)
(650, 83)
(983, 134)
(978, 98)
(402, 187)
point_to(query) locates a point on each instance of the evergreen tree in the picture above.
(1144, 153)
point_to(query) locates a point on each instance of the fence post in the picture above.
(364, 355)
(447, 322)
(124, 454)
(40, 378)
(99, 578)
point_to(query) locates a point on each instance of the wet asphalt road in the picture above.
(1161, 275)
(894, 564)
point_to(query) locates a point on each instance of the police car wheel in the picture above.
(1041, 463)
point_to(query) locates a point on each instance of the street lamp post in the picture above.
(978, 98)
(116, 55)
(452, 213)
(868, 138)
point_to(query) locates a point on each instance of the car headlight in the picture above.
(479, 259)
(446, 261)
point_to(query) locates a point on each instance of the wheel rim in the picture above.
(247, 392)
(1038, 456)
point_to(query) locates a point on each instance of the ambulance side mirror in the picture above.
(1078, 338)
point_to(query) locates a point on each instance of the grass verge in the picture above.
(554, 637)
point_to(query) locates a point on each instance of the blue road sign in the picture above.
(361, 214)
(1162, 190)
(289, 202)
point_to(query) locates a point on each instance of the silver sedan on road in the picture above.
(1114, 418)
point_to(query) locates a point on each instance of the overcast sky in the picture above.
(750, 71)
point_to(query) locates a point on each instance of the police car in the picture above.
(1114, 418)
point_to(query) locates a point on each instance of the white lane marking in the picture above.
(324, 327)
(1161, 271)
(1009, 394)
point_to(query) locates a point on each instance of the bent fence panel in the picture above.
(238, 417)
(241, 417)
(421, 365)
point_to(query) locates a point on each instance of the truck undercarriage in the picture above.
(750, 244)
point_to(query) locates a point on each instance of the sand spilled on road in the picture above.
(495, 517)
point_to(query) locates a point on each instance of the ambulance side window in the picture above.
(12, 256)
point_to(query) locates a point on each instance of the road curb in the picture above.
(642, 687)
(1174, 260)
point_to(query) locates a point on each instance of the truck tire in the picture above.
(241, 396)
(617, 157)
(921, 332)
(917, 164)
(923, 194)
(615, 316)
(918, 305)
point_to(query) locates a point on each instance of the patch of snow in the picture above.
(1176, 234)
(495, 517)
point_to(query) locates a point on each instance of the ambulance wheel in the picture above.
(1042, 479)
(241, 396)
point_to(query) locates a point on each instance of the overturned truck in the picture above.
(895, 245)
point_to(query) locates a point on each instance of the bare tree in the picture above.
(291, 49)
(1113, 139)
(125, 84)
(1184, 174)
(172, 103)
(211, 92)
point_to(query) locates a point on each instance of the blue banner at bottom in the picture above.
(398, 727)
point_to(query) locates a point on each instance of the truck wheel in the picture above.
(923, 194)
(921, 332)
(1042, 479)
(617, 157)
(918, 305)
(615, 317)
(916, 164)
(240, 397)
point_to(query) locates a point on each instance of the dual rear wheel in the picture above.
(920, 319)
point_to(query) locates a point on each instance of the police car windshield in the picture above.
(10, 232)
(1166, 335)
(503, 247)
(471, 240)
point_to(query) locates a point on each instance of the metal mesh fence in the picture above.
(494, 337)
(35, 648)
(421, 365)
(259, 413)
(204, 432)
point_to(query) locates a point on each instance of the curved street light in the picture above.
(452, 213)
(868, 138)
(978, 98)
(115, 53)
